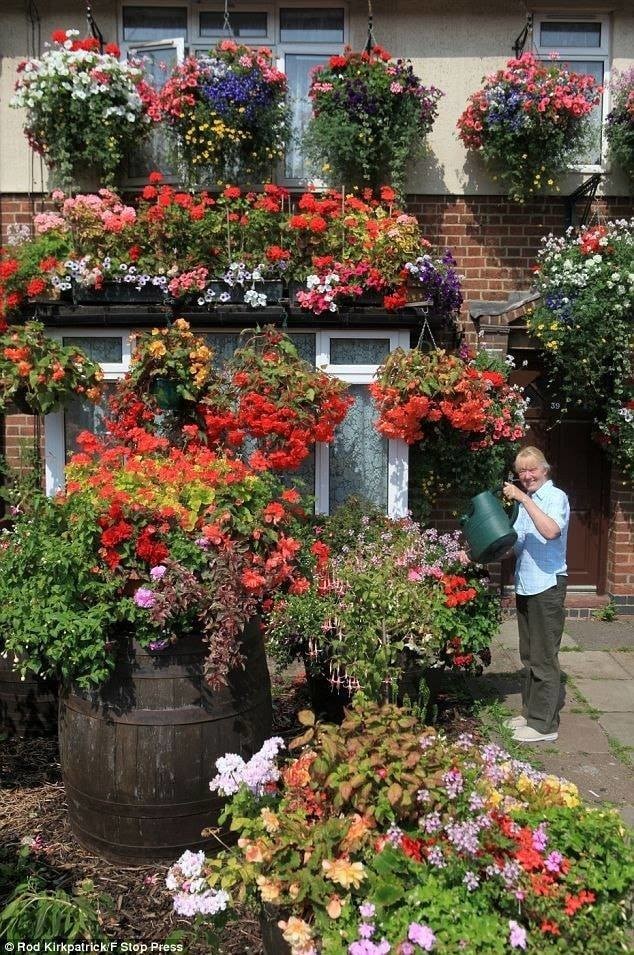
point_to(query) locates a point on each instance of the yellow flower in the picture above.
(157, 349)
(269, 890)
(297, 933)
(269, 820)
(344, 872)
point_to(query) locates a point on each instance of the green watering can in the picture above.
(488, 527)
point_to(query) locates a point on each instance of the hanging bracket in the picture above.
(92, 26)
(226, 23)
(370, 41)
(588, 191)
(520, 41)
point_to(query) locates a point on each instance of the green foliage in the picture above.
(607, 613)
(584, 327)
(35, 911)
(55, 610)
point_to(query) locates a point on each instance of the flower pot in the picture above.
(28, 707)
(19, 403)
(273, 289)
(118, 293)
(272, 939)
(327, 701)
(137, 754)
(165, 392)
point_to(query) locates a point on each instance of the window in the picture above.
(299, 25)
(61, 428)
(360, 462)
(244, 26)
(582, 44)
(302, 38)
(154, 23)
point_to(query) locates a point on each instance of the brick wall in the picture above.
(495, 241)
(620, 569)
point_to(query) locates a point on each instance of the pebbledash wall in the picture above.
(459, 206)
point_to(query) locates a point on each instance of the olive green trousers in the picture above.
(540, 618)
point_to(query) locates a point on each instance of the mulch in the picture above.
(137, 906)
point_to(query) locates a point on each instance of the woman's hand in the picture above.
(512, 493)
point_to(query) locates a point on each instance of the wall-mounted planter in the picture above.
(118, 293)
(273, 289)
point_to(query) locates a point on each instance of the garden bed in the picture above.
(136, 906)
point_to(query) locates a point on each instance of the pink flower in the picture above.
(145, 598)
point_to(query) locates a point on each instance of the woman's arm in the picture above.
(546, 526)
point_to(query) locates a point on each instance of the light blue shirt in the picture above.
(539, 561)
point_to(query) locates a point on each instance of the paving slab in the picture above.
(580, 734)
(626, 660)
(627, 815)
(509, 638)
(593, 665)
(600, 777)
(620, 726)
(600, 635)
(608, 696)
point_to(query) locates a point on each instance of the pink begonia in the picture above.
(396, 88)
(195, 280)
(145, 598)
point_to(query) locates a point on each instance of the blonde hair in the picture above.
(536, 454)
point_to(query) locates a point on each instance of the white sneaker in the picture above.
(526, 734)
(515, 722)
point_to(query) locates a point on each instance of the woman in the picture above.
(540, 587)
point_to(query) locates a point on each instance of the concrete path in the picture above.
(595, 748)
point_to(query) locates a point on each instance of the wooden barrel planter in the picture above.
(137, 755)
(28, 708)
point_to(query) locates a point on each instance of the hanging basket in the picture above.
(165, 393)
(19, 403)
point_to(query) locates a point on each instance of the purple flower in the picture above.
(540, 839)
(436, 858)
(454, 782)
(553, 861)
(157, 572)
(422, 935)
(367, 910)
(471, 881)
(366, 930)
(145, 598)
(517, 935)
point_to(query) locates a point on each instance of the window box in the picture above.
(118, 293)
(272, 288)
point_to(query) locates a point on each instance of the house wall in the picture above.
(451, 46)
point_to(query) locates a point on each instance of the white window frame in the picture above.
(54, 444)
(196, 44)
(398, 451)
(600, 54)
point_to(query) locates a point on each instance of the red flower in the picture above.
(59, 36)
(387, 194)
(155, 177)
(112, 50)
(35, 287)
(232, 192)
